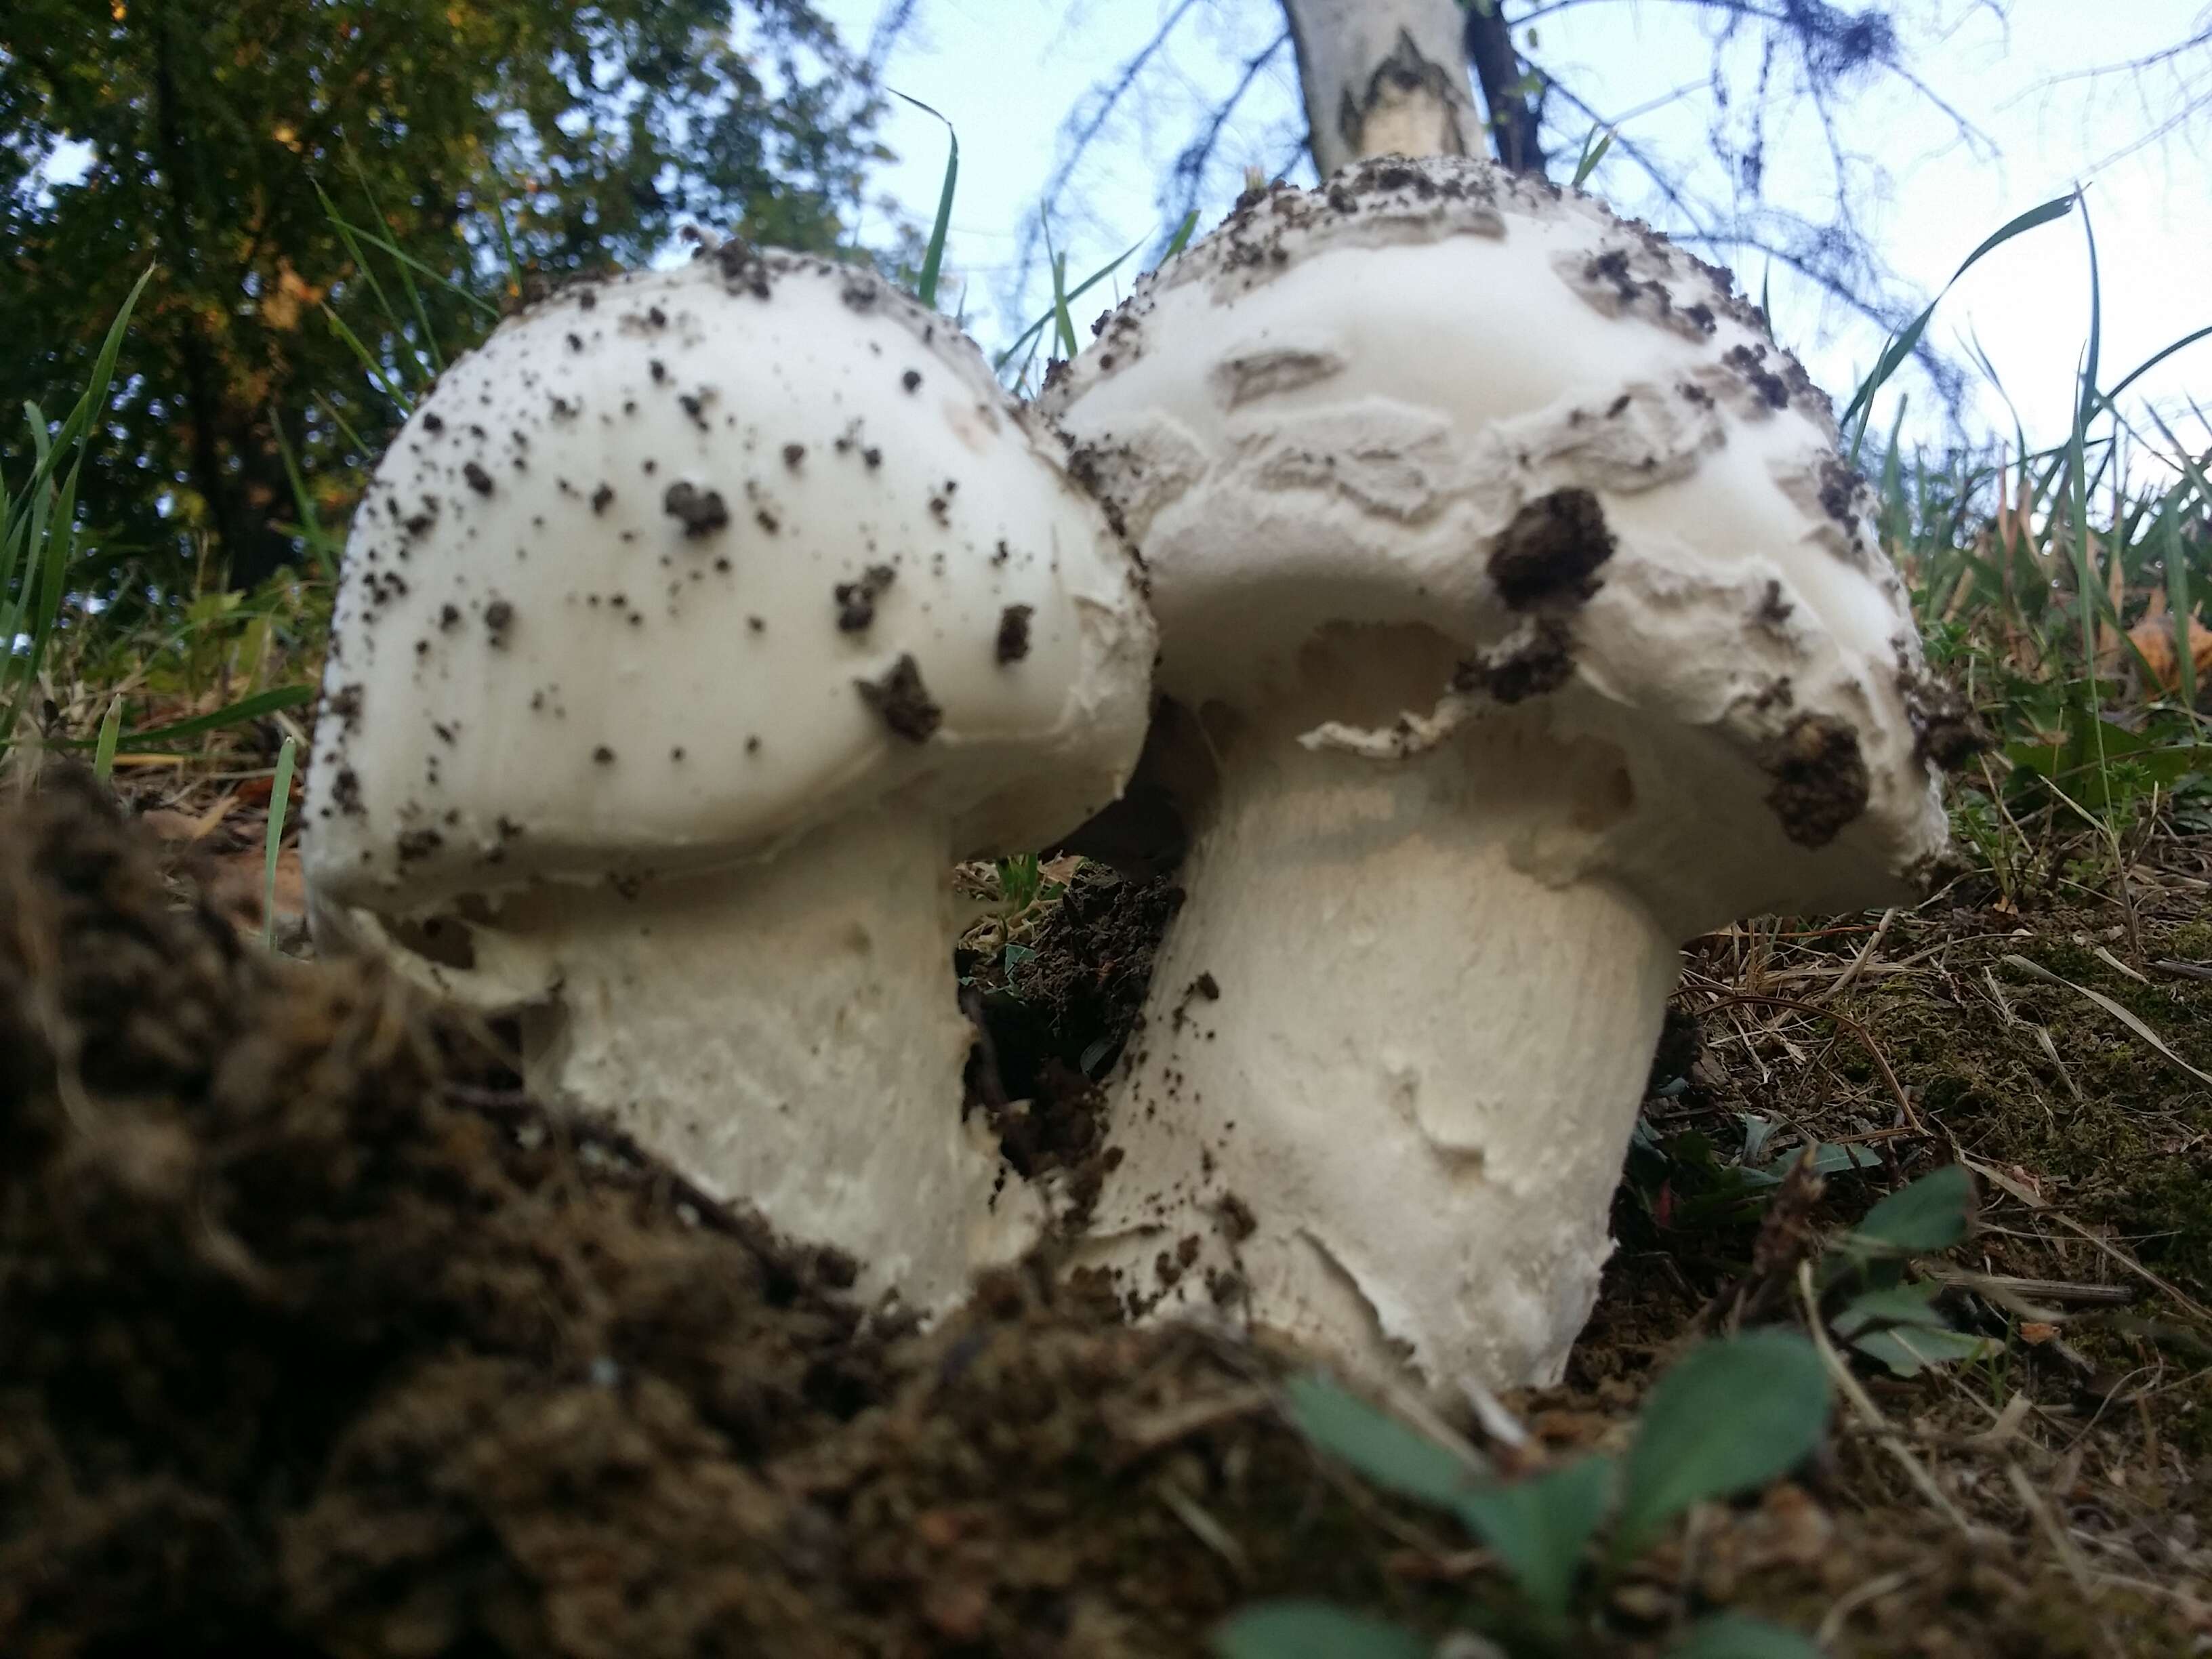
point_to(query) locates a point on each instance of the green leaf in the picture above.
(1896, 1305)
(1397, 1458)
(1933, 1214)
(1899, 1325)
(1731, 1417)
(1311, 1629)
(1733, 1636)
(1540, 1527)
(1909, 1352)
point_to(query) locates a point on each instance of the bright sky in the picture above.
(1007, 72)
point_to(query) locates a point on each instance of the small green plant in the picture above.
(1882, 1315)
(1728, 1418)
(38, 526)
(1731, 1417)
(1021, 879)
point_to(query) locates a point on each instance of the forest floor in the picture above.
(318, 1338)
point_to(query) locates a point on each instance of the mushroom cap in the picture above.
(679, 564)
(1434, 393)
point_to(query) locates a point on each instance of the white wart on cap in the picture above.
(689, 630)
(1521, 620)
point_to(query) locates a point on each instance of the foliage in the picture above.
(1887, 1318)
(1731, 1417)
(587, 133)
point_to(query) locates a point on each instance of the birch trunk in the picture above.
(1383, 77)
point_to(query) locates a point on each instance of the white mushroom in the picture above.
(1521, 621)
(690, 631)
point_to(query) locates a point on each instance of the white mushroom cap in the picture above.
(1518, 621)
(1437, 394)
(613, 597)
(690, 629)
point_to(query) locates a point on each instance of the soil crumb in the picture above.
(901, 700)
(1821, 781)
(1549, 554)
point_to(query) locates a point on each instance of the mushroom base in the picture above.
(786, 1033)
(1385, 1082)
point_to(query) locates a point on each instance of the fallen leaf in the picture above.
(2154, 637)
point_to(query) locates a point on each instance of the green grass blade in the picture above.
(110, 728)
(1177, 243)
(933, 257)
(406, 276)
(319, 540)
(1903, 345)
(399, 256)
(1595, 145)
(246, 708)
(280, 797)
(362, 265)
(329, 411)
(2090, 590)
(505, 237)
(77, 426)
(1064, 324)
(367, 360)
(2179, 602)
(1030, 335)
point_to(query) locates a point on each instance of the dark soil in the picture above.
(317, 1339)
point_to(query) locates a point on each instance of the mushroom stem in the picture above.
(1386, 1078)
(787, 1033)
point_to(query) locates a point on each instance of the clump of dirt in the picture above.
(1053, 1017)
(294, 1341)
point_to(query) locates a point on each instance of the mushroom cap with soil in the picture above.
(690, 629)
(1519, 620)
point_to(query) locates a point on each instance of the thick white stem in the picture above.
(1383, 77)
(1386, 1078)
(788, 1035)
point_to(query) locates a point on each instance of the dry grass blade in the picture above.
(1906, 1115)
(1865, 1411)
(2036, 970)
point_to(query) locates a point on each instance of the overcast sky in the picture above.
(1008, 72)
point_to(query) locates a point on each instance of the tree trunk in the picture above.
(1513, 119)
(1383, 77)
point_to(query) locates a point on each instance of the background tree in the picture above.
(591, 132)
(1474, 75)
